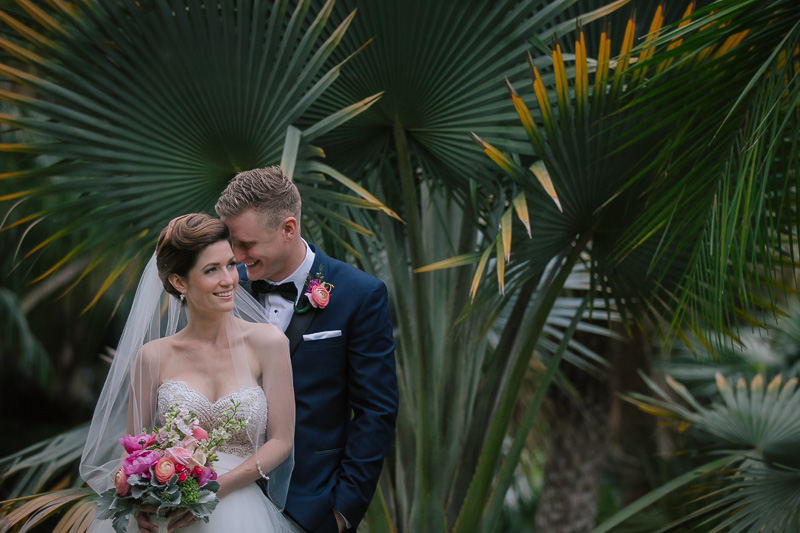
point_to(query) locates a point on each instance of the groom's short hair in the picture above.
(266, 190)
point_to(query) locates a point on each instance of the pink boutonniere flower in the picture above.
(319, 293)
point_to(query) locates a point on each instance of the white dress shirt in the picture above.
(279, 309)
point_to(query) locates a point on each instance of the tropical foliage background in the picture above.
(570, 201)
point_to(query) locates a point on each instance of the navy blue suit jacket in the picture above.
(346, 397)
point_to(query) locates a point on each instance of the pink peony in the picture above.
(121, 482)
(139, 462)
(133, 443)
(164, 469)
(318, 295)
(204, 475)
(179, 455)
(199, 433)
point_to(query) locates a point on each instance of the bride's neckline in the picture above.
(192, 389)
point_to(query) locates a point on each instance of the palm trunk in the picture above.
(574, 453)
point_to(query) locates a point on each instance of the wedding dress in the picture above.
(245, 510)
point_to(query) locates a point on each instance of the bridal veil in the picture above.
(127, 403)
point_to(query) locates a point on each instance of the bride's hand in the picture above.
(223, 485)
(180, 518)
(143, 518)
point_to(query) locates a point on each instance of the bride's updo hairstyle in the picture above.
(179, 244)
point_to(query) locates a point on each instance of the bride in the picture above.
(214, 346)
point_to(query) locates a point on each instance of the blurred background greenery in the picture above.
(569, 200)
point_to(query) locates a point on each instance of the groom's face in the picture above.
(263, 250)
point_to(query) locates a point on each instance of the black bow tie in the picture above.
(287, 291)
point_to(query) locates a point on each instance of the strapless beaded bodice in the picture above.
(253, 408)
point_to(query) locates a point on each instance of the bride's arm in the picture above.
(272, 351)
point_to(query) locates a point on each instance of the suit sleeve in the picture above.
(373, 397)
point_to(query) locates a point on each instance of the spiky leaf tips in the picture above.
(138, 111)
(656, 194)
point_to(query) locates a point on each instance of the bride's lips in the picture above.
(226, 294)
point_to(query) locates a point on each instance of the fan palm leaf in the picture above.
(138, 112)
(727, 88)
(761, 425)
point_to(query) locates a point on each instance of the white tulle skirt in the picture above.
(245, 510)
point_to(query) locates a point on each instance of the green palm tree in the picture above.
(137, 112)
(604, 181)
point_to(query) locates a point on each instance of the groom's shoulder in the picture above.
(341, 272)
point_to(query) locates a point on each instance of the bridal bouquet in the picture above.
(168, 468)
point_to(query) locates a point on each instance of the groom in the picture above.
(341, 344)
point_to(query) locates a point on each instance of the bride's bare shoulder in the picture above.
(263, 335)
(152, 350)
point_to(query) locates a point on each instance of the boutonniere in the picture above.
(318, 292)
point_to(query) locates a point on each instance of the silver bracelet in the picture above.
(258, 465)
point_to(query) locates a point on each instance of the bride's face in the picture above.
(211, 283)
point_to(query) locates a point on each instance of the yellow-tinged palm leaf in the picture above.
(729, 43)
(581, 77)
(110, 279)
(322, 168)
(624, 59)
(459, 260)
(521, 207)
(38, 507)
(154, 135)
(69, 255)
(507, 165)
(542, 96)
(540, 171)
(501, 268)
(476, 279)
(525, 117)
(505, 231)
(77, 519)
(41, 17)
(563, 95)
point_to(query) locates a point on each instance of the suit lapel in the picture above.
(301, 321)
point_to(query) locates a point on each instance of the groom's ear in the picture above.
(177, 282)
(289, 228)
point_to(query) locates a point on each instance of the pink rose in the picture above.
(121, 482)
(199, 433)
(318, 295)
(133, 443)
(139, 462)
(179, 455)
(164, 469)
(198, 458)
(190, 443)
(182, 477)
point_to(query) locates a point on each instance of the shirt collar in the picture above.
(299, 276)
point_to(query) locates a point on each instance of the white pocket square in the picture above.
(322, 335)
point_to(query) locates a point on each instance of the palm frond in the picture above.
(181, 97)
(40, 466)
(18, 341)
(761, 426)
